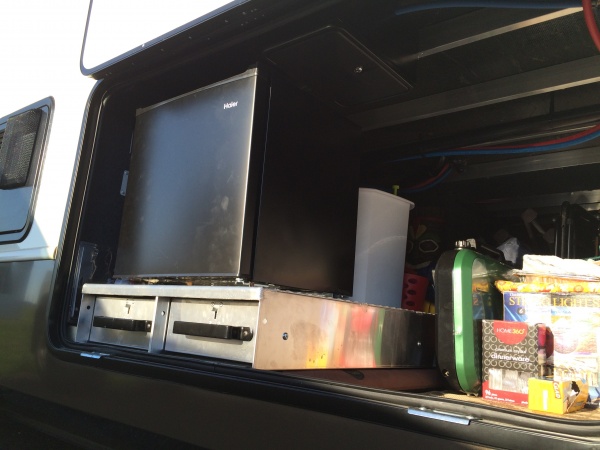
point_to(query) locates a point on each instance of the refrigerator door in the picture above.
(188, 207)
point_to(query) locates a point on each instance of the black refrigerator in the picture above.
(248, 178)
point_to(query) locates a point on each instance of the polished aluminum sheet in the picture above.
(308, 332)
(290, 330)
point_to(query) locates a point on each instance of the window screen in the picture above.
(22, 139)
(16, 150)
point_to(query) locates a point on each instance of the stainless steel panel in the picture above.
(213, 312)
(153, 302)
(306, 332)
(96, 309)
(84, 321)
(122, 308)
(159, 328)
(283, 330)
(146, 290)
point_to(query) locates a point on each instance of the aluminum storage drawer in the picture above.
(267, 328)
(217, 328)
(117, 320)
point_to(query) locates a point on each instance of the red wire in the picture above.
(590, 21)
(553, 141)
(432, 179)
(592, 26)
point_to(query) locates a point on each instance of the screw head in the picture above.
(285, 336)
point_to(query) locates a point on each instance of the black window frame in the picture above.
(13, 195)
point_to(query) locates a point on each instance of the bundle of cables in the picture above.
(538, 147)
(546, 146)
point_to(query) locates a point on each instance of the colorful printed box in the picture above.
(559, 397)
(574, 320)
(512, 353)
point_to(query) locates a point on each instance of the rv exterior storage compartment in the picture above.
(212, 220)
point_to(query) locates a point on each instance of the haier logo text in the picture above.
(230, 105)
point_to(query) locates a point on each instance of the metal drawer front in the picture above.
(218, 328)
(122, 321)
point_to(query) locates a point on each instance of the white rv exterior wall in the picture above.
(41, 46)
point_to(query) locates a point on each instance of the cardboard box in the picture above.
(512, 353)
(574, 320)
(559, 397)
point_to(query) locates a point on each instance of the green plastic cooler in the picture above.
(465, 295)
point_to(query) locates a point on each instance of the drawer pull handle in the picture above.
(213, 331)
(115, 323)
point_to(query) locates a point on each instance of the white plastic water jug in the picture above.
(381, 234)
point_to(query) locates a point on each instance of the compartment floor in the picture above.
(582, 414)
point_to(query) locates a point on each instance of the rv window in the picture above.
(22, 136)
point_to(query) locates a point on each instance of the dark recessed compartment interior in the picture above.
(335, 66)
(448, 105)
(486, 119)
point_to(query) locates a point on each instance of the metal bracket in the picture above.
(440, 415)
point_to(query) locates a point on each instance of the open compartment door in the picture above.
(117, 31)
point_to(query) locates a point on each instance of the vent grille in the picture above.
(16, 149)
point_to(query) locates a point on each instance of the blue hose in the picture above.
(503, 151)
(507, 4)
(515, 4)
